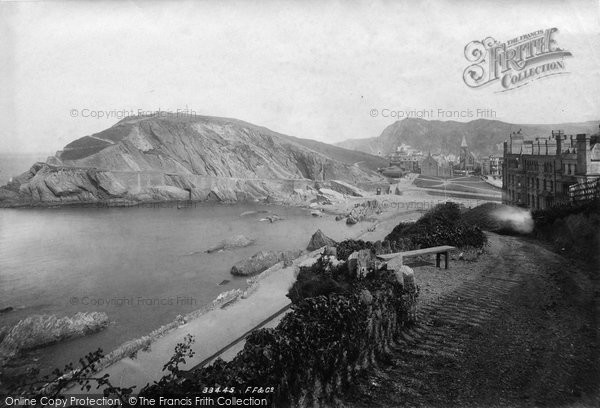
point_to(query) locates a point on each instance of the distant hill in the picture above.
(174, 158)
(344, 155)
(483, 136)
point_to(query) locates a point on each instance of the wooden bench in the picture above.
(438, 251)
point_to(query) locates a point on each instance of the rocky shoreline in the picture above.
(25, 192)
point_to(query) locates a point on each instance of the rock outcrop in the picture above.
(330, 195)
(41, 330)
(262, 261)
(319, 240)
(346, 188)
(238, 241)
(173, 158)
(363, 211)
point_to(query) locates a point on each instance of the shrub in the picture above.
(345, 248)
(546, 217)
(322, 278)
(500, 218)
(483, 216)
(442, 225)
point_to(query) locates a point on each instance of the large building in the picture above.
(407, 162)
(537, 173)
(492, 165)
(436, 166)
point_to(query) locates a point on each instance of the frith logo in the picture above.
(516, 62)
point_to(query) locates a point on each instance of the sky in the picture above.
(325, 70)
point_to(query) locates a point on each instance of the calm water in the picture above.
(53, 260)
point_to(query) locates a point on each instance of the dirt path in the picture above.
(523, 331)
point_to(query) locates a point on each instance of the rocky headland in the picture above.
(168, 158)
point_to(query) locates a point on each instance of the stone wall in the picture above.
(385, 320)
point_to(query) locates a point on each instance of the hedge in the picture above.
(442, 225)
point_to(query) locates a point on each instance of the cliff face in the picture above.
(170, 158)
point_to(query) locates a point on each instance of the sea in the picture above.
(142, 266)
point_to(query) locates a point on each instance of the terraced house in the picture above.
(538, 173)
